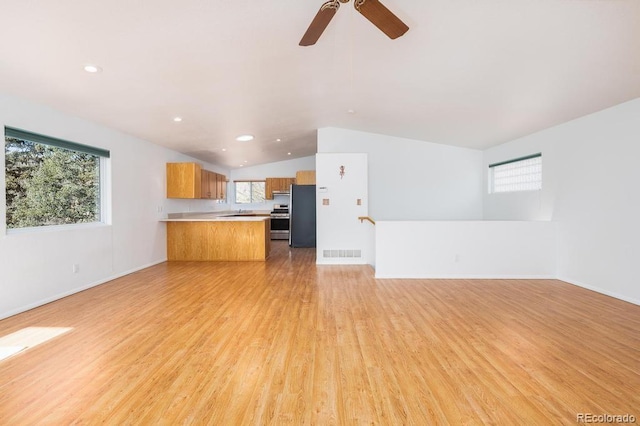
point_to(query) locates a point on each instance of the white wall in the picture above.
(590, 188)
(465, 249)
(339, 232)
(36, 266)
(414, 180)
(287, 168)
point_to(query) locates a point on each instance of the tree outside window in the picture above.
(250, 192)
(49, 185)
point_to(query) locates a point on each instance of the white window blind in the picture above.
(520, 174)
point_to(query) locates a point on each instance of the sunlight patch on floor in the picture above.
(28, 337)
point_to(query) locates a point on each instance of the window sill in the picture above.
(55, 228)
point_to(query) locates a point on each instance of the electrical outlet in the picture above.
(76, 268)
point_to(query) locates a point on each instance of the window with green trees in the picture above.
(51, 181)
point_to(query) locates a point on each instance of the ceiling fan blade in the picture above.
(319, 23)
(381, 17)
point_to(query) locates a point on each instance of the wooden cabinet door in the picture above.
(221, 185)
(287, 182)
(268, 188)
(277, 184)
(306, 177)
(208, 185)
(184, 180)
(213, 186)
(204, 192)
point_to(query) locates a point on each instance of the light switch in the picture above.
(359, 201)
(325, 201)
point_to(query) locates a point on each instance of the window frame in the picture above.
(251, 181)
(492, 169)
(104, 179)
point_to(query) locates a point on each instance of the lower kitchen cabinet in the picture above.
(234, 239)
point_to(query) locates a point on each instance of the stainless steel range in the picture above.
(280, 222)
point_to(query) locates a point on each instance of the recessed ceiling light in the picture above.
(278, 140)
(244, 138)
(92, 68)
(177, 119)
(288, 153)
(351, 111)
(241, 165)
(245, 161)
(224, 149)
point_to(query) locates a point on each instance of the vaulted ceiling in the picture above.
(467, 73)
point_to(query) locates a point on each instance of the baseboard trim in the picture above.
(59, 296)
(467, 277)
(600, 290)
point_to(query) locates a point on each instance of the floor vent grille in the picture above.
(341, 253)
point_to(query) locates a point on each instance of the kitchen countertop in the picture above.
(221, 216)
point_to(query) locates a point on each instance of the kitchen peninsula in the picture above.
(223, 236)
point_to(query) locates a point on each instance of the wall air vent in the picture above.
(341, 253)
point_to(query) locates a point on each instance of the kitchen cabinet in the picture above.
(215, 185)
(277, 184)
(184, 180)
(220, 239)
(306, 177)
(189, 180)
(209, 185)
(221, 186)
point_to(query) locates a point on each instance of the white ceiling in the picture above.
(468, 73)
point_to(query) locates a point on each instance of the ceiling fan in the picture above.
(373, 10)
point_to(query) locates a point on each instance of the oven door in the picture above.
(279, 228)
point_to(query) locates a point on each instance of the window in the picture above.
(52, 181)
(520, 174)
(250, 191)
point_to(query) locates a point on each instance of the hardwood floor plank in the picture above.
(288, 342)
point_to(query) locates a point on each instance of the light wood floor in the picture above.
(286, 342)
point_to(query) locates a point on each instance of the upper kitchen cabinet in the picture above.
(306, 177)
(221, 186)
(275, 185)
(189, 180)
(209, 185)
(184, 180)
